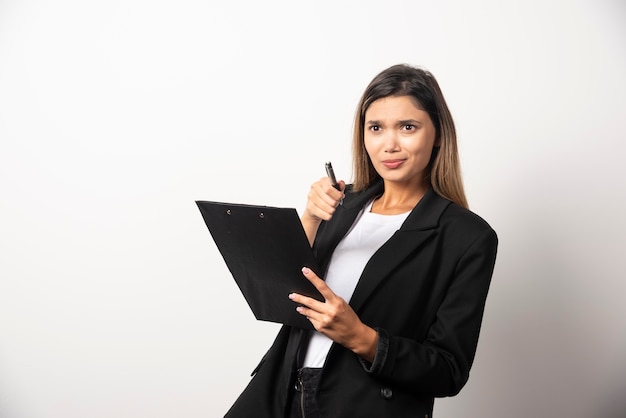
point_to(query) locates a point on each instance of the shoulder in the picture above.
(460, 216)
(466, 227)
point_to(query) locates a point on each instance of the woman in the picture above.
(401, 246)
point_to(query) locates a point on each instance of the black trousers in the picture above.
(303, 404)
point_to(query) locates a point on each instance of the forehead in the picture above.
(394, 107)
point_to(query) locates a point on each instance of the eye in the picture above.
(409, 127)
(374, 128)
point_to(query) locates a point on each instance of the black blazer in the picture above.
(424, 291)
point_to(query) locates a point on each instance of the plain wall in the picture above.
(115, 116)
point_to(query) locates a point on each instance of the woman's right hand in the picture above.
(322, 201)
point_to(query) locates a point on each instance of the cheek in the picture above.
(369, 148)
(416, 146)
(420, 145)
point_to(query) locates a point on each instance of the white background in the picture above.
(115, 116)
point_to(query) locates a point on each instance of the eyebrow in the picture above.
(409, 122)
(400, 122)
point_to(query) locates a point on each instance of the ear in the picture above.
(437, 141)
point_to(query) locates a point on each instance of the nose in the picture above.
(391, 141)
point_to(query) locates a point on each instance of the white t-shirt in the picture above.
(369, 232)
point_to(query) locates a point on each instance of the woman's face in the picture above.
(399, 139)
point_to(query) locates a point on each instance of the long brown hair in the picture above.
(421, 86)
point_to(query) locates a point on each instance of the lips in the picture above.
(393, 163)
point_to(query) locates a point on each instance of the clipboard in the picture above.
(265, 249)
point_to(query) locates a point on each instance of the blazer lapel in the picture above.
(416, 229)
(344, 218)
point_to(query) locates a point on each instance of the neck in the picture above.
(398, 199)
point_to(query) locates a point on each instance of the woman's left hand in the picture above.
(336, 319)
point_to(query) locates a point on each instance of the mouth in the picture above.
(393, 163)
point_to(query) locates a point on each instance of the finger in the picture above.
(323, 199)
(319, 284)
(342, 187)
(309, 302)
(311, 314)
(323, 191)
(321, 210)
(329, 193)
(307, 313)
(318, 207)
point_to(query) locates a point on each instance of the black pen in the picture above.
(331, 173)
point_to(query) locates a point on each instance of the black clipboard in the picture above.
(265, 249)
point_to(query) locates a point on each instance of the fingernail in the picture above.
(306, 270)
(291, 296)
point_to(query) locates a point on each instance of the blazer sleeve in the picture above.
(439, 366)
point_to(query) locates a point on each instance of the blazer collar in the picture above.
(425, 215)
